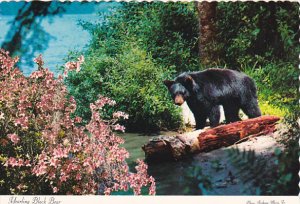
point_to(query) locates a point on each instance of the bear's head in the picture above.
(180, 88)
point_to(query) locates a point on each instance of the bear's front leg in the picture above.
(200, 120)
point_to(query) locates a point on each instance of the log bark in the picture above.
(164, 148)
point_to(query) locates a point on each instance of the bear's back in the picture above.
(217, 76)
(219, 84)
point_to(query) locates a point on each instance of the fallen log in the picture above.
(163, 148)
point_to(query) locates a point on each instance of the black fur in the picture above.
(204, 91)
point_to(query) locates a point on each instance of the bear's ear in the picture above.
(188, 80)
(168, 83)
(189, 83)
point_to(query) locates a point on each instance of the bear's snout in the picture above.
(179, 100)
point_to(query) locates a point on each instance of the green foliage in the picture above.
(269, 109)
(130, 55)
(256, 38)
(162, 38)
(134, 81)
(167, 31)
(277, 90)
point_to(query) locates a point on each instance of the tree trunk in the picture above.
(177, 147)
(207, 31)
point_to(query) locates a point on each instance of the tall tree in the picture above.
(207, 31)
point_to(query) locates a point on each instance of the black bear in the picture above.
(205, 91)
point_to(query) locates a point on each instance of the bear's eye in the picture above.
(174, 95)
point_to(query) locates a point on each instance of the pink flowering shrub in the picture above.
(43, 150)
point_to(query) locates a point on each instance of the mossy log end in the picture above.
(164, 148)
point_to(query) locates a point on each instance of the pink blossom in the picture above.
(39, 60)
(152, 189)
(119, 128)
(20, 162)
(55, 189)
(65, 73)
(14, 138)
(120, 114)
(40, 169)
(63, 178)
(77, 119)
(87, 162)
(102, 101)
(74, 65)
(11, 162)
(23, 121)
(51, 175)
(78, 176)
(62, 152)
(70, 66)
(20, 186)
(36, 74)
(71, 108)
(107, 191)
(27, 163)
(92, 106)
(81, 59)
(54, 162)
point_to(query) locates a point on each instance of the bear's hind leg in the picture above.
(214, 116)
(231, 112)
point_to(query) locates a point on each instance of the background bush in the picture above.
(130, 56)
(134, 81)
(254, 34)
(141, 44)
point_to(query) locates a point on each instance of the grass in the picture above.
(270, 109)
